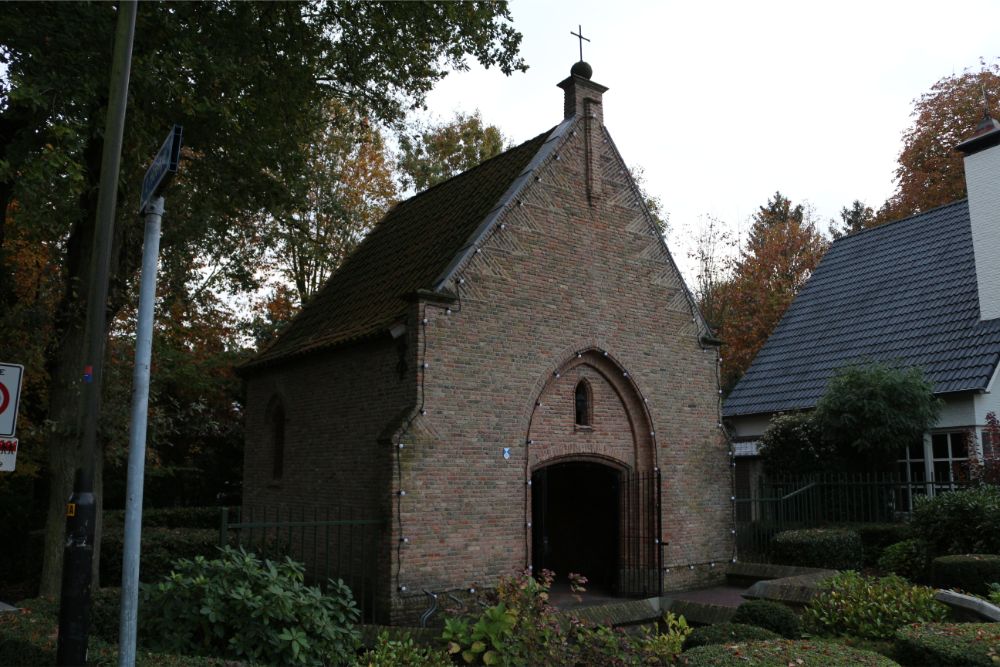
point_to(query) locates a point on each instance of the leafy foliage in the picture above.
(523, 629)
(909, 559)
(877, 537)
(853, 220)
(430, 154)
(995, 593)
(244, 608)
(949, 644)
(792, 445)
(969, 572)
(727, 633)
(870, 412)
(930, 171)
(160, 548)
(832, 548)
(852, 604)
(783, 652)
(403, 651)
(958, 522)
(769, 615)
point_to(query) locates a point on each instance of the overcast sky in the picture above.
(722, 103)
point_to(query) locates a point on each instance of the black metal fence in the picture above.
(787, 503)
(333, 543)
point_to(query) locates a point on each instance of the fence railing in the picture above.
(333, 543)
(786, 503)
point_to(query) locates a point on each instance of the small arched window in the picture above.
(276, 434)
(583, 404)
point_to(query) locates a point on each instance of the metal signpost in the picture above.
(159, 175)
(10, 394)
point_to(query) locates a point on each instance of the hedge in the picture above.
(727, 633)
(160, 548)
(960, 522)
(28, 637)
(818, 547)
(169, 517)
(909, 558)
(949, 644)
(781, 652)
(875, 537)
(769, 615)
(972, 573)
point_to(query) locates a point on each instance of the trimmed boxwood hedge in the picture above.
(875, 537)
(170, 517)
(909, 558)
(727, 633)
(972, 573)
(28, 637)
(831, 548)
(949, 644)
(160, 548)
(781, 652)
(769, 615)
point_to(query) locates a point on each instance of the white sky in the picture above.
(722, 103)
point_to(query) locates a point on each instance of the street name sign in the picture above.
(164, 166)
(10, 394)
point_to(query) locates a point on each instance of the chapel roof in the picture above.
(416, 243)
(902, 293)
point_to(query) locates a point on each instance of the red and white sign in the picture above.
(10, 394)
(8, 454)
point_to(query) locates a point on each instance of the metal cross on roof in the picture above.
(579, 34)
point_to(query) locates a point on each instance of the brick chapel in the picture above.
(510, 373)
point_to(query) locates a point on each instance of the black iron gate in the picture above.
(641, 572)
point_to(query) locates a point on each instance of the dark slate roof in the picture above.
(408, 250)
(902, 293)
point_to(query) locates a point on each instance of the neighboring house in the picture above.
(511, 372)
(923, 291)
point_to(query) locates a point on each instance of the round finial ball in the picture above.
(581, 69)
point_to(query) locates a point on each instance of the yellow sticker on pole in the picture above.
(70, 509)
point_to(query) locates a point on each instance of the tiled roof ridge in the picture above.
(897, 221)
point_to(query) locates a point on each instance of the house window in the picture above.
(583, 404)
(931, 466)
(276, 435)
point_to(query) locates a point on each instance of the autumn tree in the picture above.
(930, 171)
(713, 283)
(348, 187)
(431, 153)
(250, 82)
(779, 255)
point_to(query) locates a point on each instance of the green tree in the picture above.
(433, 153)
(854, 219)
(792, 445)
(870, 412)
(930, 171)
(250, 82)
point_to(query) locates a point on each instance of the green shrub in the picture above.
(727, 633)
(241, 607)
(909, 559)
(818, 547)
(994, 593)
(403, 651)
(769, 615)
(877, 537)
(160, 548)
(28, 637)
(947, 644)
(971, 573)
(960, 522)
(791, 445)
(851, 604)
(782, 652)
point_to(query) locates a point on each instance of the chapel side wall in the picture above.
(338, 404)
(560, 277)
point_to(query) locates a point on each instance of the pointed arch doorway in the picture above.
(576, 521)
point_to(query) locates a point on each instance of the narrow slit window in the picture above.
(583, 404)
